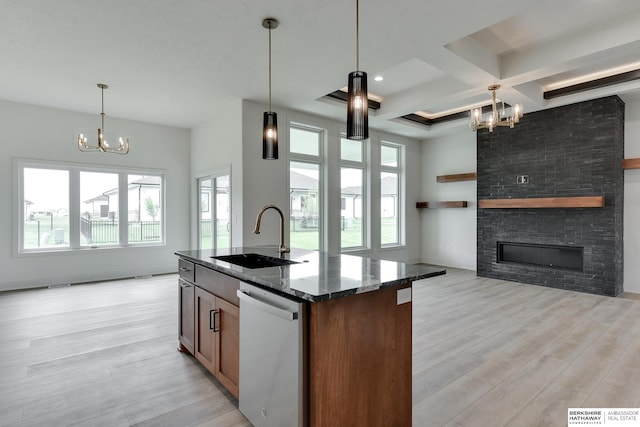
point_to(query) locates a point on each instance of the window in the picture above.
(390, 194)
(145, 213)
(45, 206)
(305, 187)
(352, 194)
(345, 195)
(214, 208)
(99, 212)
(64, 207)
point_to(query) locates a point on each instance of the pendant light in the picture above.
(270, 118)
(102, 142)
(357, 100)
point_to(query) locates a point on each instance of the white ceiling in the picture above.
(170, 61)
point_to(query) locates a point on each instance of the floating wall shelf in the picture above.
(543, 202)
(441, 205)
(457, 177)
(631, 163)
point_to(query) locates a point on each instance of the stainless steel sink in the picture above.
(254, 260)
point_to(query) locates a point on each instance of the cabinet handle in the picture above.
(212, 321)
(185, 269)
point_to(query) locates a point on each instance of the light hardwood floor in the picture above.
(486, 353)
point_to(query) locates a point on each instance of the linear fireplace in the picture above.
(566, 257)
(567, 152)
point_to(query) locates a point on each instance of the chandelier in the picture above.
(102, 142)
(506, 115)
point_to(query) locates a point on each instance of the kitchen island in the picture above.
(355, 336)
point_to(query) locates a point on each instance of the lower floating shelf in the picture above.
(631, 163)
(543, 202)
(441, 205)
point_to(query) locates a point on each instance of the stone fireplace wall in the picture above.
(575, 150)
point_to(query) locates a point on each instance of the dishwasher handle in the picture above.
(284, 314)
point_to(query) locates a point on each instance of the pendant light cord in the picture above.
(269, 67)
(357, 36)
(102, 113)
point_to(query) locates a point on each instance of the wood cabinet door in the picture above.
(228, 345)
(205, 341)
(186, 317)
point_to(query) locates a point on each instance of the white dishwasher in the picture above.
(272, 369)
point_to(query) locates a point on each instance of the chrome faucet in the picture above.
(283, 249)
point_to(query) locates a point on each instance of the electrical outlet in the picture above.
(403, 296)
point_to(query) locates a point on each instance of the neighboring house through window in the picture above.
(69, 206)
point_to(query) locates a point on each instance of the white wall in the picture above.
(449, 235)
(267, 181)
(216, 144)
(40, 133)
(632, 196)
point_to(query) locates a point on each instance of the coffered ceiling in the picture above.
(172, 61)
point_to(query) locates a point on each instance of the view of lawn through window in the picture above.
(46, 208)
(214, 207)
(352, 193)
(99, 208)
(46, 211)
(305, 203)
(307, 165)
(389, 194)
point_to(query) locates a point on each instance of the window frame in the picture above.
(320, 162)
(74, 169)
(364, 166)
(212, 174)
(399, 170)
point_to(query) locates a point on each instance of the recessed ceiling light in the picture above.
(378, 78)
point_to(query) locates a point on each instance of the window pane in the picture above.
(46, 208)
(350, 150)
(388, 208)
(389, 155)
(304, 202)
(99, 208)
(204, 231)
(351, 183)
(223, 225)
(145, 208)
(304, 141)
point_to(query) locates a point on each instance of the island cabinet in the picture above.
(326, 340)
(360, 360)
(209, 313)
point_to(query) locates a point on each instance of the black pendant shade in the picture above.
(270, 136)
(270, 118)
(358, 107)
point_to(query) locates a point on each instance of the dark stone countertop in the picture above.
(317, 276)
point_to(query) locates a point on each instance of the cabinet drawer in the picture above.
(221, 285)
(186, 270)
